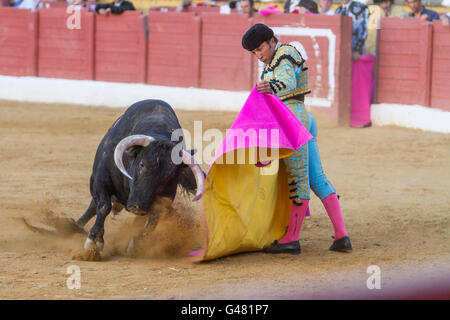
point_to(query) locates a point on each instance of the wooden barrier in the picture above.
(65, 52)
(120, 47)
(18, 42)
(325, 43)
(204, 50)
(163, 9)
(204, 9)
(440, 74)
(174, 49)
(224, 63)
(404, 61)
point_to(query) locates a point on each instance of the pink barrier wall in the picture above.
(326, 42)
(120, 47)
(204, 9)
(18, 42)
(224, 63)
(440, 74)
(63, 52)
(174, 49)
(404, 61)
(204, 50)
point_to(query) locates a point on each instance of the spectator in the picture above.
(362, 64)
(290, 5)
(116, 7)
(445, 18)
(308, 6)
(184, 6)
(26, 4)
(360, 16)
(325, 7)
(247, 7)
(420, 12)
(80, 4)
(390, 9)
(302, 6)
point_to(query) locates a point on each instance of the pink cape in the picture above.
(246, 209)
(361, 90)
(272, 9)
(265, 112)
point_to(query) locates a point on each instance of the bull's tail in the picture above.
(90, 212)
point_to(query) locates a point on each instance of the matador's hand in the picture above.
(264, 87)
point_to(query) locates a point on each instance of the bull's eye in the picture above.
(141, 164)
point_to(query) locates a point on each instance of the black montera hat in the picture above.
(256, 35)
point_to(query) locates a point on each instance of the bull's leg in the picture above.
(90, 212)
(152, 222)
(96, 234)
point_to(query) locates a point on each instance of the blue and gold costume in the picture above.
(286, 74)
(288, 79)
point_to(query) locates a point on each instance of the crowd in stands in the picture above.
(351, 8)
(114, 7)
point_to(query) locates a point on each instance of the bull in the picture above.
(136, 162)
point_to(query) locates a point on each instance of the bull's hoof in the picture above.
(341, 245)
(290, 247)
(90, 254)
(90, 243)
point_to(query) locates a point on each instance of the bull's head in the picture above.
(151, 168)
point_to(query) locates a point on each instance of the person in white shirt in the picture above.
(26, 4)
(325, 7)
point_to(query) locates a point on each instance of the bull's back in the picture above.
(147, 114)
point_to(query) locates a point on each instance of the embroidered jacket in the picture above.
(287, 73)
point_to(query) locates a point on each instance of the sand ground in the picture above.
(394, 185)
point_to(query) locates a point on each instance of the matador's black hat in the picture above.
(255, 36)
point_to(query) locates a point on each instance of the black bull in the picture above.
(136, 162)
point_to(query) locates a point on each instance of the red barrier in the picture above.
(224, 63)
(440, 74)
(120, 47)
(18, 42)
(325, 43)
(404, 61)
(65, 52)
(203, 9)
(163, 9)
(173, 49)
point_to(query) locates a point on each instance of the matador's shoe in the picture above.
(290, 247)
(342, 245)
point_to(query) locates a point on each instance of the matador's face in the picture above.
(265, 51)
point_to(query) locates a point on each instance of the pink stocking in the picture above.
(295, 222)
(331, 204)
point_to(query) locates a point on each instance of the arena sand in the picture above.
(393, 182)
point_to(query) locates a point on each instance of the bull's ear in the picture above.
(133, 151)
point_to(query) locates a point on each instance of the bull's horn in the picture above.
(124, 144)
(198, 173)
